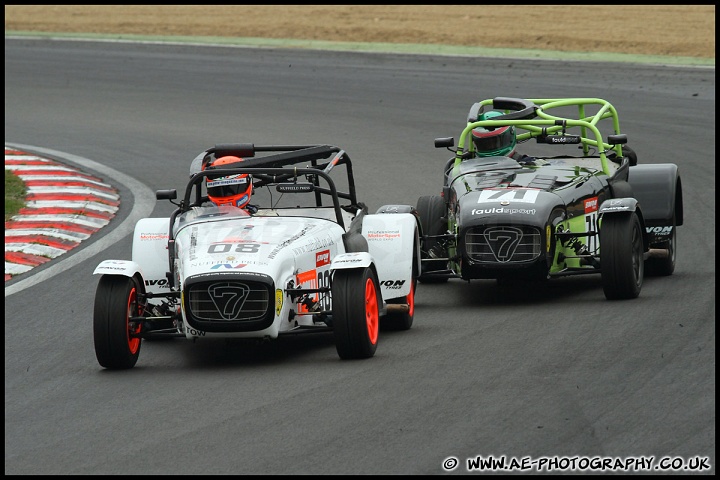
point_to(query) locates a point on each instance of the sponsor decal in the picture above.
(520, 195)
(591, 205)
(161, 282)
(393, 284)
(383, 235)
(322, 258)
(349, 260)
(153, 236)
(307, 279)
(232, 274)
(659, 230)
(503, 210)
(234, 180)
(616, 208)
(314, 244)
(194, 332)
(548, 237)
(294, 187)
(287, 242)
(193, 243)
(278, 302)
(227, 265)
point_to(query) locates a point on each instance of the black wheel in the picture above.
(116, 300)
(662, 257)
(431, 210)
(621, 256)
(355, 312)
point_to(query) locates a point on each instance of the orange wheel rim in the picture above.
(133, 342)
(371, 311)
(411, 299)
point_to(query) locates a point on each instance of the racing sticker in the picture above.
(307, 279)
(512, 195)
(383, 235)
(278, 302)
(315, 279)
(322, 258)
(591, 222)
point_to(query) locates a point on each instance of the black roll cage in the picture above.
(275, 168)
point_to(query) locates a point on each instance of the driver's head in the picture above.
(493, 141)
(233, 190)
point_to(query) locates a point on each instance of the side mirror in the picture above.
(445, 142)
(166, 194)
(620, 139)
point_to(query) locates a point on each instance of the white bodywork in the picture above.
(297, 248)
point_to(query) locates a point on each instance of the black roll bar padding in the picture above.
(196, 182)
(474, 112)
(522, 109)
(271, 165)
(242, 150)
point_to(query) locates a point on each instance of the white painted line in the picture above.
(35, 249)
(102, 207)
(73, 190)
(91, 222)
(60, 178)
(48, 232)
(16, 269)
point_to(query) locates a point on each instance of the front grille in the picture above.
(228, 301)
(504, 244)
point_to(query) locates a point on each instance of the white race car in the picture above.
(309, 257)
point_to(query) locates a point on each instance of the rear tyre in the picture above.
(116, 300)
(431, 209)
(621, 256)
(355, 312)
(402, 320)
(662, 260)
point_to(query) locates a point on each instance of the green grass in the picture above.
(14, 194)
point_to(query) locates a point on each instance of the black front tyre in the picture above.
(621, 256)
(116, 301)
(355, 307)
(431, 209)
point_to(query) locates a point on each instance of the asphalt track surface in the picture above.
(551, 371)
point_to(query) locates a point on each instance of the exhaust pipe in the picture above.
(398, 308)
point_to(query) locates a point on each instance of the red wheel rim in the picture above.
(371, 311)
(411, 300)
(133, 342)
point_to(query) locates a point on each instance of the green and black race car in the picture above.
(579, 203)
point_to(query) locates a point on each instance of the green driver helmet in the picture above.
(492, 142)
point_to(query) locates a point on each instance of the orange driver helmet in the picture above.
(233, 190)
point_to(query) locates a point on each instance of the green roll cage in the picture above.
(534, 118)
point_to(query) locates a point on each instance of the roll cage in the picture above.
(279, 167)
(533, 118)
